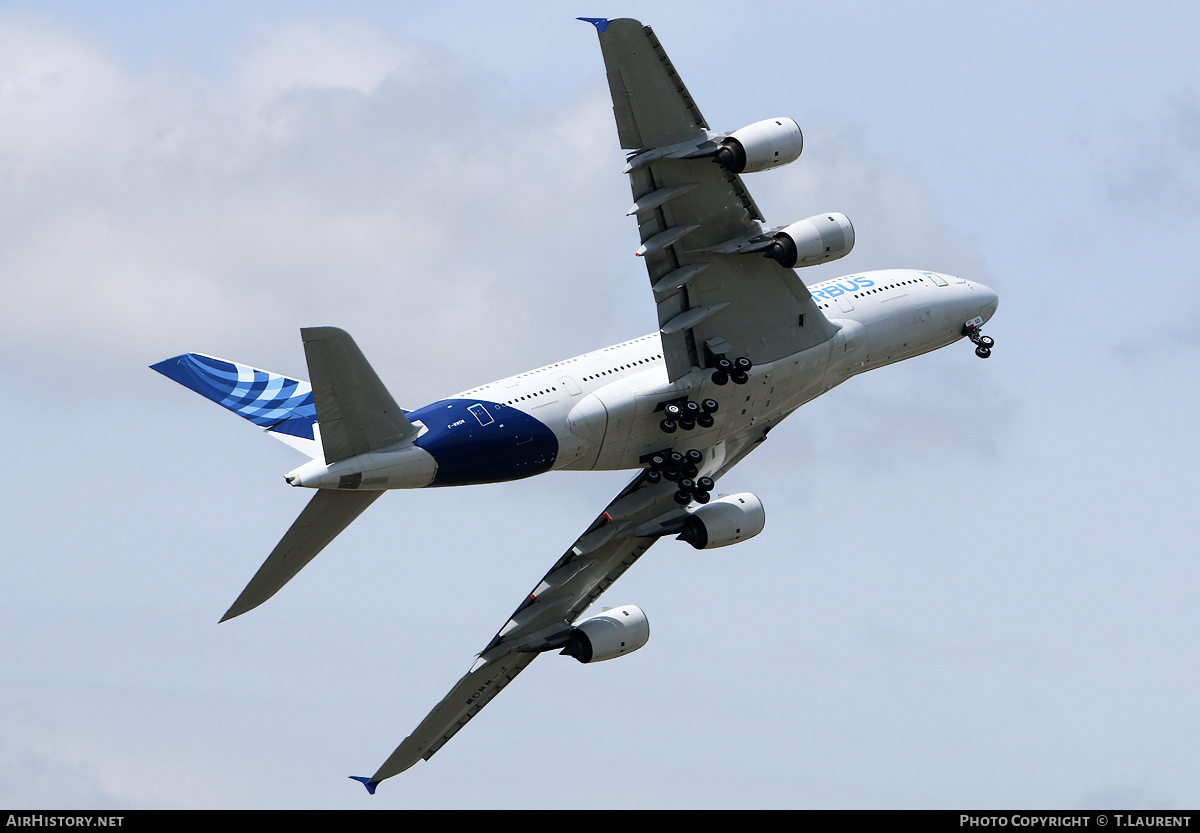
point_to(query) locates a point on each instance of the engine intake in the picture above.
(761, 146)
(727, 520)
(613, 633)
(814, 240)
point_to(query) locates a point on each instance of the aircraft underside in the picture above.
(742, 343)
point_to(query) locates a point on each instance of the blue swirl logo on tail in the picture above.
(267, 399)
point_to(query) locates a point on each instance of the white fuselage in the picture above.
(601, 410)
(601, 405)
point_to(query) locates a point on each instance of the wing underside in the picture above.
(619, 536)
(693, 217)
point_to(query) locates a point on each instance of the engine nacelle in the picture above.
(814, 240)
(726, 520)
(761, 146)
(613, 633)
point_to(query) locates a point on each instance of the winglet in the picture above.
(601, 23)
(366, 782)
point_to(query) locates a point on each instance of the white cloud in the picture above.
(391, 196)
(460, 231)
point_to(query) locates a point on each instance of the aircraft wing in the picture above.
(692, 213)
(622, 533)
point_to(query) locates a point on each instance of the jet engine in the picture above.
(613, 633)
(726, 520)
(818, 239)
(761, 146)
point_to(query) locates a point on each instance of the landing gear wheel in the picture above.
(705, 421)
(710, 406)
(701, 497)
(739, 377)
(720, 377)
(983, 344)
(653, 476)
(683, 498)
(705, 484)
(668, 426)
(687, 423)
(693, 456)
(673, 411)
(743, 364)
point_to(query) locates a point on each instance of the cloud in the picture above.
(1158, 169)
(40, 769)
(460, 230)
(393, 195)
(897, 218)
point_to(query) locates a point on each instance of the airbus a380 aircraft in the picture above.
(742, 343)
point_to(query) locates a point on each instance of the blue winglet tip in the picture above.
(366, 782)
(601, 23)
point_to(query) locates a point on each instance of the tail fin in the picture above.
(281, 405)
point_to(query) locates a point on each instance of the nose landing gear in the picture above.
(983, 344)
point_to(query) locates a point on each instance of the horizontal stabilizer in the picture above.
(327, 514)
(356, 412)
(272, 401)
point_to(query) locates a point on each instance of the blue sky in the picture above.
(977, 582)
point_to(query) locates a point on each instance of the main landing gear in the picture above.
(687, 415)
(680, 468)
(983, 344)
(737, 371)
